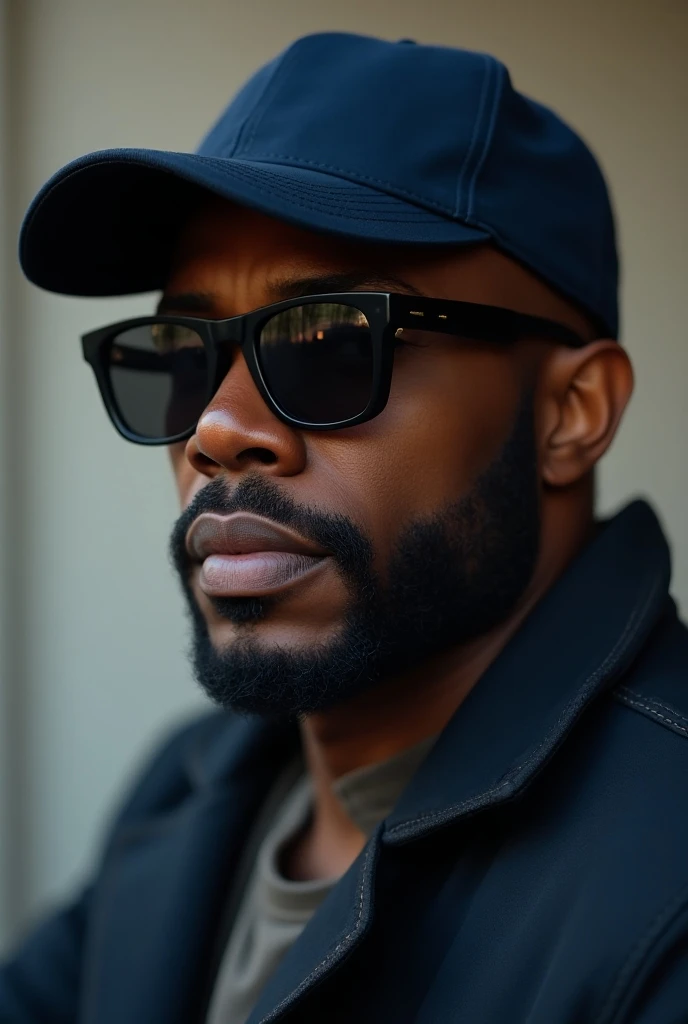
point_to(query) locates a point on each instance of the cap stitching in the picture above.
(474, 136)
(307, 202)
(351, 190)
(356, 176)
(489, 135)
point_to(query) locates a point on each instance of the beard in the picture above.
(452, 577)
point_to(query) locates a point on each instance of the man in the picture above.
(448, 780)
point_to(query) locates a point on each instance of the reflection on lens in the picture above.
(317, 361)
(159, 378)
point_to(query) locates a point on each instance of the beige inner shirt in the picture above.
(273, 910)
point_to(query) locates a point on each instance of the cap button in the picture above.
(411, 41)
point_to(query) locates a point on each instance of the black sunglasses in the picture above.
(320, 363)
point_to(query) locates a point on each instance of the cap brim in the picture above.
(106, 224)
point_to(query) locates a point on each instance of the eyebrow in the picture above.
(198, 303)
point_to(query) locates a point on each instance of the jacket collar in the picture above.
(161, 889)
(574, 646)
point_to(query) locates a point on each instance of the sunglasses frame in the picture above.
(386, 313)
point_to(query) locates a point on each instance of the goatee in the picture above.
(452, 577)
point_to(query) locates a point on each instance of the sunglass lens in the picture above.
(159, 379)
(317, 362)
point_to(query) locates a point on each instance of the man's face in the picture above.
(424, 520)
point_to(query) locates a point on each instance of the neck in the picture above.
(402, 711)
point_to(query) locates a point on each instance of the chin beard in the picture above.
(452, 577)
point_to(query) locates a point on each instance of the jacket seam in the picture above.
(638, 700)
(639, 955)
(320, 969)
(652, 700)
(606, 665)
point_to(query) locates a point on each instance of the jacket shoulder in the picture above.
(657, 685)
(169, 774)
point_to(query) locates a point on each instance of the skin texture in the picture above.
(451, 408)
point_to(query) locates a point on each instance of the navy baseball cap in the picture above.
(357, 137)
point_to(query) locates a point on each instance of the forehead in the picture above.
(240, 259)
(233, 245)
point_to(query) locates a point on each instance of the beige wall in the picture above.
(97, 637)
(6, 765)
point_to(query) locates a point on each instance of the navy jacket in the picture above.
(535, 871)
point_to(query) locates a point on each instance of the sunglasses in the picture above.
(320, 363)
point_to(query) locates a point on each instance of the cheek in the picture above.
(186, 478)
(448, 414)
(447, 417)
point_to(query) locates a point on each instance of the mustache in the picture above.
(333, 531)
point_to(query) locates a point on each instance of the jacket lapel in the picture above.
(162, 888)
(336, 929)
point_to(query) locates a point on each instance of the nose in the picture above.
(237, 433)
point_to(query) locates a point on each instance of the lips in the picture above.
(244, 555)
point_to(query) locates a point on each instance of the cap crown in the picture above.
(445, 130)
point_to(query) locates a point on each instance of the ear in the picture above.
(584, 394)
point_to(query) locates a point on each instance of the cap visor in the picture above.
(106, 224)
